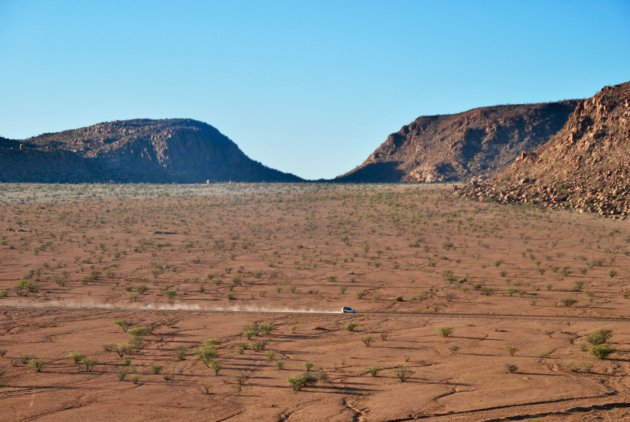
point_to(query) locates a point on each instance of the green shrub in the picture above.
(140, 331)
(511, 350)
(257, 346)
(373, 370)
(216, 366)
(445, 331)
(301, 381)
(36, 364)
(367, 340)
(156, 369)
(169, 293)
(75, 357)
(87, 364)
(25, 286)
(601, 351)
(308, 366)
(297, 383)
(600, 336)
(124, 324)
(206, 353)
(403, 373)
(266, 328)
(350, 325)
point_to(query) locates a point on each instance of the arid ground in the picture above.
(216, 303)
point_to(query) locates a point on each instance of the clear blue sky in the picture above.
(310, 87)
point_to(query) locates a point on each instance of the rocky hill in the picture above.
(585, 166)
(133, 151)
(459, 146)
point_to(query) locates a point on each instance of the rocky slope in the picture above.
(477, 142)
(585, 166)
(147, 151)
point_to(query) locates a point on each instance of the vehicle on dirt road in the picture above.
(349, 310)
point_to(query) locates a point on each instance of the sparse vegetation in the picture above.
(445, 331)
(403, 373)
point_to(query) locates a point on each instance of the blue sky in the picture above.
(310, 87)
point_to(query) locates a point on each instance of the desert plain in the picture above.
(222, 302)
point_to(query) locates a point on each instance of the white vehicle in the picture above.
(348, 310)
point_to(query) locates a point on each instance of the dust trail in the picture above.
(162, 307)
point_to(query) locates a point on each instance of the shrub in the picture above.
(241, 378)
(36, 364)
(216, 366)
(301, 381)
(239, 349)
(3, 352)
(511, 350)
(206, 353)
(373, 370)
(120, 376)
(135, 378)
(384, 336)
(403, 373)
(280, 364)
(367, 340)
(76, 357)
(579, 367)
(266, 328)
(510, 368)
(308, 366)
(123, 349)
(169, 293)
(156, 369)
(568, 301)
(453, 347)
(249, 333)
(88, 364)
(205, 389)
(350, 325)
(601, 351)
(270, 354)
(124, 324)
(25, 286)
(600, 336)
(140, 331)
(257, 346)
(298, 382)
(445, 331)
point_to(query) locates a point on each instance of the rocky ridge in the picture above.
(133, 151)
(459, 146)
(584, 167)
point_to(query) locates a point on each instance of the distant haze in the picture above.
(310, 88)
